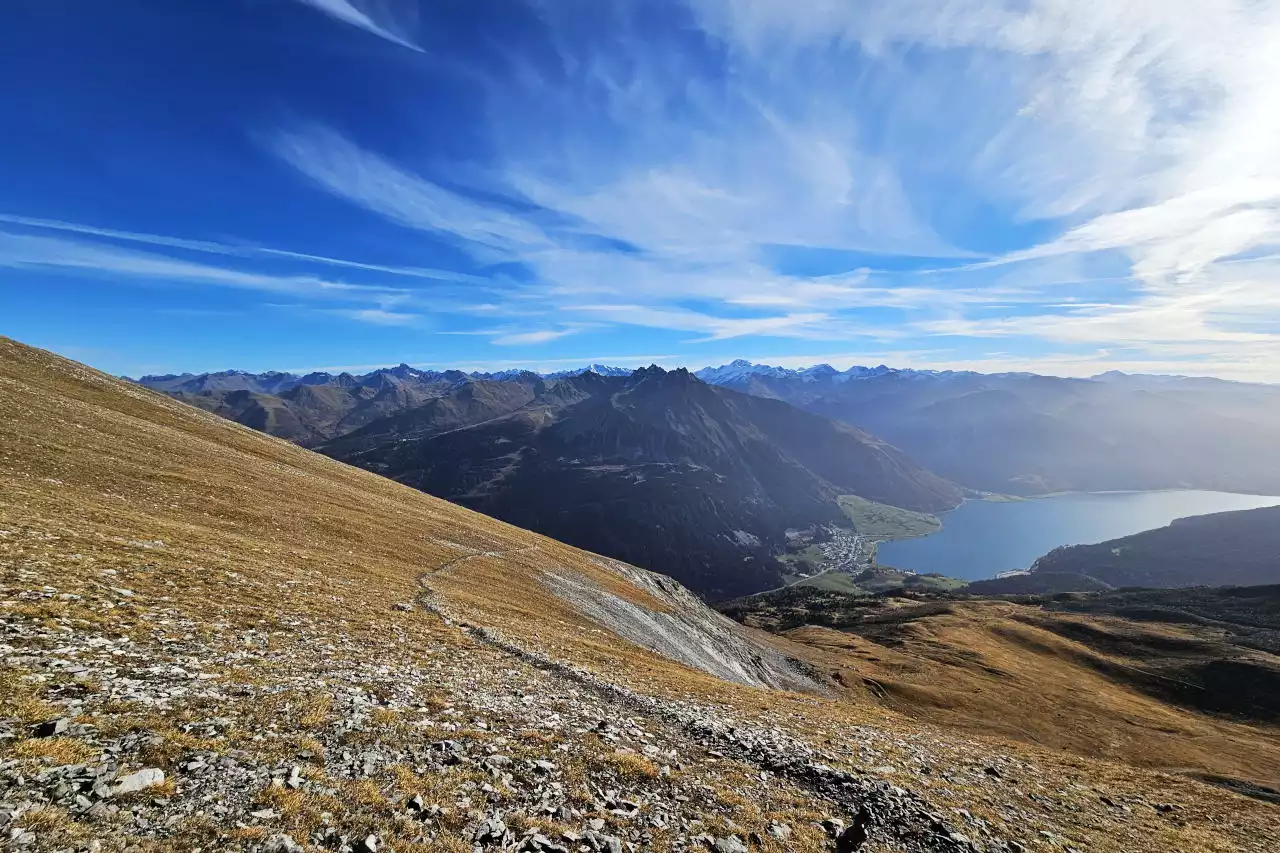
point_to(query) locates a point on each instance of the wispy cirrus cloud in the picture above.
(238, 250)
(358, 14)
(19, 251)
(1136, 133)
(574, 276)
(378, 316)
(714, 328)
(364, 303)
(340, 167)
(537, 336)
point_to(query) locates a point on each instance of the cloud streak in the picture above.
(24, 251)
(352, 13)
(234, 250)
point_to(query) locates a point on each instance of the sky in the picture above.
(1064, 186)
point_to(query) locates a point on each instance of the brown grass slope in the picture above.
(1099, 687)
(139, 537)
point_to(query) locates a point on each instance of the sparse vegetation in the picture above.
(630, 766)
(56, 750)
(251, 650)
(880, 579)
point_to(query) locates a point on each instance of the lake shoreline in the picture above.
(1009, 535)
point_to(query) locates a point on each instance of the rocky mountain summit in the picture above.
(215, 640)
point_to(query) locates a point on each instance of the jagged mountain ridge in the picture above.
(310, 414)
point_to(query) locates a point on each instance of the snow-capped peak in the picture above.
(601, 369)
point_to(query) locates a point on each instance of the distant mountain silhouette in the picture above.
(1020, 433)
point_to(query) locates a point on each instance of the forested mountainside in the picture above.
(1020, 433)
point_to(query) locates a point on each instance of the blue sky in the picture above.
(1067, 186)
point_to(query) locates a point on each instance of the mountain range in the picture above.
(218, 640)
(697, 476)
(653, 467)
(1025, 434)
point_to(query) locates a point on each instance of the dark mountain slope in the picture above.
(655, 468)
(1222, 549)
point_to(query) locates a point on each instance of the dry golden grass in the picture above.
(385, 716)
(979, 669)
(18, 698)
(629, 766)
(258, 533)
(54, 750)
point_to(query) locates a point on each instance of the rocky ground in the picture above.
(152, 731)
(155, 730)
(213, 640)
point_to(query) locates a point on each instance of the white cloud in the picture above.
(379, 316)
(540, 336)
(352, 13)
(1142, 137)
(234, 250)
(809, 325)
(570, 274)
(348, 171)
(51, 253)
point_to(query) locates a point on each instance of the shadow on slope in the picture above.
(1159, 695)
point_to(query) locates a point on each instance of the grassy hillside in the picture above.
(1156, 693)
(1246, 616)
(214, 639)
(882, 523)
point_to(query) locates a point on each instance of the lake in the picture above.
(980, 539)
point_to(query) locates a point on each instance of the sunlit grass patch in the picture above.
(55, 750)
(630, 766)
